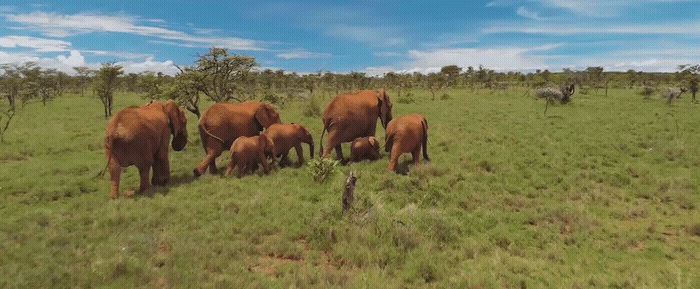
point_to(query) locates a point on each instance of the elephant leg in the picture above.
(416, 155)
(144, 170)
(161, 170)
(253, 165)
(213, 152)
(300, 153)
(284, 160)
(339, 154)
(115, 174)
(263, 162)
(231, 163)
(395, 154)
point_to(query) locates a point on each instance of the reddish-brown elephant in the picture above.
(288, 136)
(248, 152)
(407, 134)
(352, 115)
(364, 148)
(139, 136)
(224, 122)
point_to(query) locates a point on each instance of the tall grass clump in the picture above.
(322, 169)
(312, 108)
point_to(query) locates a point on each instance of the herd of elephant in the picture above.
(253, 132)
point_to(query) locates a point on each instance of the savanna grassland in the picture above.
(602, 192)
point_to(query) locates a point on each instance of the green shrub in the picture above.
(312, 108)
(445, 96)
(322, 169)
(270, 97)
(406, 98)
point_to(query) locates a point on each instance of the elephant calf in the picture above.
(138, 136)
(364, 148)
(406, 134)
(288, 136)
(247, 152)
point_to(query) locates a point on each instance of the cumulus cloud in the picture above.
(388, 54)
(39, 44)
(166, 67)
(296, 54)
(527, 13)
(501, 59)
(59, 25)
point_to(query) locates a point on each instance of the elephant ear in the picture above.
(266, 115)
(374, 142)
(178, 124)
(267, 144)
(384, 104)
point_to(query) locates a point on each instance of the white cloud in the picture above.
(302, 54)
(166, 67)
(38, 44)
(594, 28)
(600, 8)
(73, 60)
(378, 70)
(500, 59)
(388, 54)
(59, 25)
(524, 12)
(127, 55)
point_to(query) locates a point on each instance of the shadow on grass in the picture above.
(174, 182)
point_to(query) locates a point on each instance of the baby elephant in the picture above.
(247, 152)
(288, 136)
(406, 134)
(364, 148)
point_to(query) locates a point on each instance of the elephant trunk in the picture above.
(179, 141)
(311, 149)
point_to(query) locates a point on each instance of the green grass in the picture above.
(602, 192)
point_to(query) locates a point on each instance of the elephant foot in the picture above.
(344, 161)
(196, 173)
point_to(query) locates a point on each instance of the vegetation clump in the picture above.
(322, 169)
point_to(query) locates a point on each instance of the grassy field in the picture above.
(603, 192)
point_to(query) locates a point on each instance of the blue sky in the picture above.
(365, 36)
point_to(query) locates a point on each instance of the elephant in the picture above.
(139, 136)
(248, 152)
(224, 122)
(364, 148)
(288, 136)
(406, 134)
(352, 115)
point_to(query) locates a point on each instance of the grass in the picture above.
(602, 192)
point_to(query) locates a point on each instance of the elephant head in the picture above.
(267, 145)
(384, 106)
(178, 124)
(266, 115)
(305, 137)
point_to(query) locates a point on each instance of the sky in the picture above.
(362, 36)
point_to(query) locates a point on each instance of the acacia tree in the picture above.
(105, 84)
(690, 74)
(186, 88)
(221, 73)
(83, 74)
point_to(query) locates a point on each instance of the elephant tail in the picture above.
(424, 124)
(109, 140)
(320, 142)
(203, 128)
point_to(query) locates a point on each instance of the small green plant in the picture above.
(322, 169)
(445, 96)
(647, 92)
(271, 97)
(406, 98)
(312, 108)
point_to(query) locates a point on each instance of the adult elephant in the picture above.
(223, 122)
(352, 115)
(139, 136)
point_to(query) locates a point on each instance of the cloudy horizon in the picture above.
(371, 37)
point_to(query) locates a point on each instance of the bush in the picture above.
(322, 169)
(647, 92)
(406, 98)
(312, 108)
(271, 97)
(445, 96)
